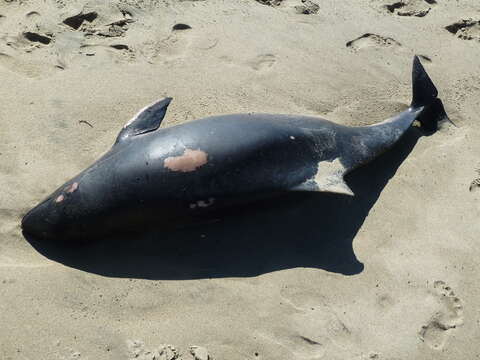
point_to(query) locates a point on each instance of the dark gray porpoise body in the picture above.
(157, 176)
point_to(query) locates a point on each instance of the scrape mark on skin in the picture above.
(73, 187)
(190, 160)
(359, 145)
(59, 198)
(202, 203)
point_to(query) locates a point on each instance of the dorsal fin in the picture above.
(148, 119)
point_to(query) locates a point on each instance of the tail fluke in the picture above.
(424, 93)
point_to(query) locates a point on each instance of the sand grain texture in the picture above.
(390, 274)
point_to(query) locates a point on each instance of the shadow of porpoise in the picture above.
(314, 230)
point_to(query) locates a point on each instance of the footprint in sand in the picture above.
(120, 51)
(98, 29)
(29, 69)
(448, 317)
(103, 30)
(262, 62)
(28, 41)
(100, 22)
(372, 41)
(113, 24)
(418, 8)
(173, 46)
(465, 29)
(314, 327)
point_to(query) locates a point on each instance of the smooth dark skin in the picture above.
(237, 159)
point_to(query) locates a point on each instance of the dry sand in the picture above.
(390, 274)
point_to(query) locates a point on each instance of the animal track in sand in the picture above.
(448, 317)
(418, 8)
(465, 29)
(263, 62)
(372, 40)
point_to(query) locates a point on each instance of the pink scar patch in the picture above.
(59, 198)
(190, 160)
(73, 187)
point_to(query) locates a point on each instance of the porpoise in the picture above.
(160, 176)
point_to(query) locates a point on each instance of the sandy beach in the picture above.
(389, 274)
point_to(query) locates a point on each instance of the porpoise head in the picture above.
(58, 215)
(81, 207)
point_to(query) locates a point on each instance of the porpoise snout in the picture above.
(35, 221)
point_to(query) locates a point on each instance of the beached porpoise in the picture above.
(157, 177)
